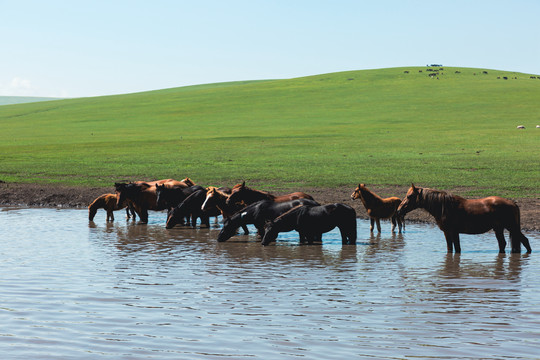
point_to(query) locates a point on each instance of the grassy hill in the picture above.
(384, 127)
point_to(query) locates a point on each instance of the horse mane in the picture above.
(264, 193)
(437, 202)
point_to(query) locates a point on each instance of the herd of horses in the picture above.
(187, 202)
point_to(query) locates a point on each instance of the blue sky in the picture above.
(89, 48)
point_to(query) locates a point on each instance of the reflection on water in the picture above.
(73, 289)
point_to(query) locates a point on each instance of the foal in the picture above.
(379, 208)
(109, 203)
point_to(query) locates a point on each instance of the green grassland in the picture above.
(381, 127)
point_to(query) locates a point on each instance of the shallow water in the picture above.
(80, 290)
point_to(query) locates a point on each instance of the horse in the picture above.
(168, 197)
(257, 214)
(312, 221)
(142, 194)
(108, 202)
(379, 208)
(456, 215)
(191, 206)
(217, 198)
(243, 194)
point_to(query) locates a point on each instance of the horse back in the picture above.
(475, 216)
(293, 196)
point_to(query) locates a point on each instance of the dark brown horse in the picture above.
(142, 194)
(243, 194)
(109, 203)
(456, 215)
(379, 208)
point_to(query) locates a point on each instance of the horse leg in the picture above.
(372, 222)
(244, 227)
(378, 221)
(517, 238)
(457, 245)
(525, 242)
(205, 220)
(499, 233)
(110, 215)
(143, 215)
(449, 241)
(396, 219)
(344, 240)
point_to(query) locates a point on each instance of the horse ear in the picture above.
(413, 187)
(243, 183)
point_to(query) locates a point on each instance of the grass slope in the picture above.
(380, 127)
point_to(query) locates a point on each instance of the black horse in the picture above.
(170, 197)
(191, 206)
(257, 214)
(312, 221)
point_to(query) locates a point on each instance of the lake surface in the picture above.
(70, 289)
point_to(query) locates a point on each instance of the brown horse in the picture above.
(142, 194)
(109, 203)
(379, 208)
(217, 198)
(243, 194)
(456, 215)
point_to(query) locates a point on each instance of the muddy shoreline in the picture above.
(37, 195)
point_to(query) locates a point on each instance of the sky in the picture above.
(81, 48)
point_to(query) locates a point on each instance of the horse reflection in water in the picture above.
(455, 215)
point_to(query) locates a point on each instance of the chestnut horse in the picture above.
(109, 203)
(243, 194)
(379, 208)
(456, 215)
(217, 198)
(142, 194)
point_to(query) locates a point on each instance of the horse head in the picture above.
(229, 228)
(120, 189)
(237, 193)
(270, 232)
(210, 193)
(160, 189)
(173, 217)
(409, 202)
(357, 192)
(188, 182)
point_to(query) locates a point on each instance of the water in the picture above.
(70, 289)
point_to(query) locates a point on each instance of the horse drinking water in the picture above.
(456, 215)
(313, 221)
(109, 203)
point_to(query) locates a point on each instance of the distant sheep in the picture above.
(521, 127)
